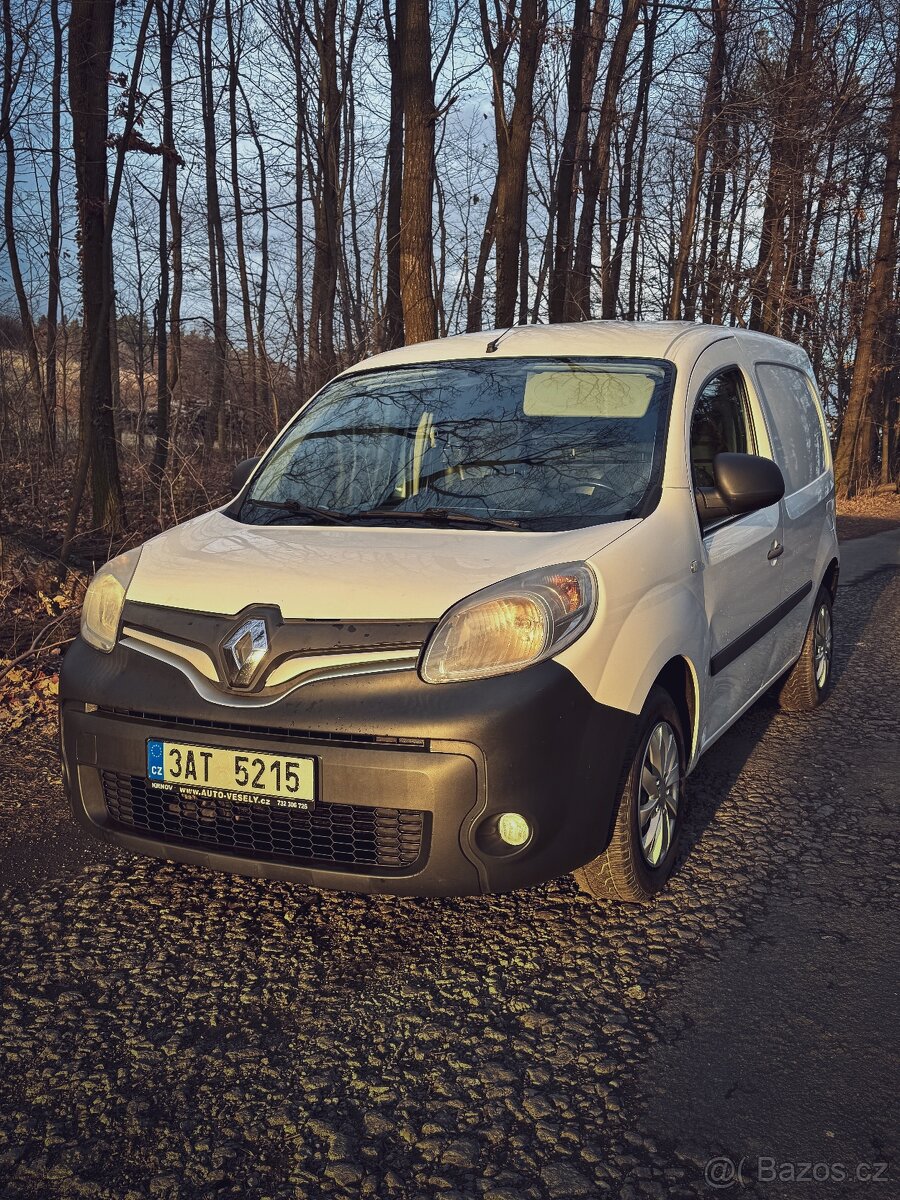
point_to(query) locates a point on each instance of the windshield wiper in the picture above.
(450, 515)
(295, 508)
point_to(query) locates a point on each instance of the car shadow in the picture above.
(719, 770)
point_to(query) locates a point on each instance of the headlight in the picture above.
(511, 625)
(105, 597)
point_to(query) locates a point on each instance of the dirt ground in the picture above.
(871, 513)
(168, 1031)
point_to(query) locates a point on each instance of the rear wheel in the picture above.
(644, 844)
(809, 680)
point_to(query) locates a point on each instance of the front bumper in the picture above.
(410, 775)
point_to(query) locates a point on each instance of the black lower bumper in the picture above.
(411, 776)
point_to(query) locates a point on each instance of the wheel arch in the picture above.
(830, 578)
(679, 678)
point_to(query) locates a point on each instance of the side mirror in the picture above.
(242, 473)
(747, 482)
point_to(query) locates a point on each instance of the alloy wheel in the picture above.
(660, 792)
(822, 642)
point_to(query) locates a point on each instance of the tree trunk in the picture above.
(177, 275)
(712, 289)
(135, 329)
(631, 182)
(710, 114)
(392, 334)
(596, 177)
(565, 177)
(583, 63)
(168, 22)
(214, 425)
(524, 262)
(10, 224)
(91, 27)
(635, 273)
(349, 289)
(299, 231)
(54, 247)
(856, 447)
(264, 374)
(327, 198)
(790, 147)
(513, 141)
(416, 250)
(475, 307)
(250, 396)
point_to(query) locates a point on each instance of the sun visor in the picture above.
(579, 393)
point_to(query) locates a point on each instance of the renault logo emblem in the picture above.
(244, 650)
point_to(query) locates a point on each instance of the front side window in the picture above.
(535, 443)
(795, 428)
(720, 425)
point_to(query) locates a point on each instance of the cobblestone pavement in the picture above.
(170, 1032)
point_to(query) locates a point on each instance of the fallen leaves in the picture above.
(39, 615)
(29, 695)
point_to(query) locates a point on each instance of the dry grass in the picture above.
(877, 502)
(868, 513)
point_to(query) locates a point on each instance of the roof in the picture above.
(680, 342)
(638, 339)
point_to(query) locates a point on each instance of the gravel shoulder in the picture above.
(170, 1032)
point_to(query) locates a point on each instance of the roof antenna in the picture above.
(492, 346)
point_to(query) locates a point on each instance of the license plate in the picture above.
(283, 779)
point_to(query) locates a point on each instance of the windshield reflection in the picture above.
(537, 443)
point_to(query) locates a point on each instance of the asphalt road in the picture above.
(169, 1032)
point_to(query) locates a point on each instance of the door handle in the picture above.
(776, 551)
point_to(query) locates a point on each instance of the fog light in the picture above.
(514, 829)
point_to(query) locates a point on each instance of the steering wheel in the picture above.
(592, 483)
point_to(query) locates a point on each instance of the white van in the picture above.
(471, 620)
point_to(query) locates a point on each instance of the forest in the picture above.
(211, 206)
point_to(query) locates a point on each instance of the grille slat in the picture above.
(347, 835)
(279, 731)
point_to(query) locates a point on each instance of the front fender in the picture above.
(668, 623)
(650, 610)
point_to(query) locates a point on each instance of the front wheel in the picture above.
(644, 844)
(807, 683)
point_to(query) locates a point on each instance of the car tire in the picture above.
(809, 680)
(629, 868)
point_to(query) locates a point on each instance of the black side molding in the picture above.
(741, 644)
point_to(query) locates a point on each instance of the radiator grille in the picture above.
(345, 835)
(279, 731)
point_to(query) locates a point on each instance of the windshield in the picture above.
(540, 443)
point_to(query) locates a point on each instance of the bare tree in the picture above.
(710, 114)
(54, 241)
(588, 32)
(791, 134)
(326, 194)
(596, 175)
(90, 51)
(13, 68)
(643, 159)
(420, 115)
(265, 389)
(234, 35)
(513, 134)
(214, 426)
(393, 306)
(856, 447)
(169, 18)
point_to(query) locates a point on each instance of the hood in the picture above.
(214, 564)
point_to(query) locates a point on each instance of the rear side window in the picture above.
(720, 425)
(792, 415)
